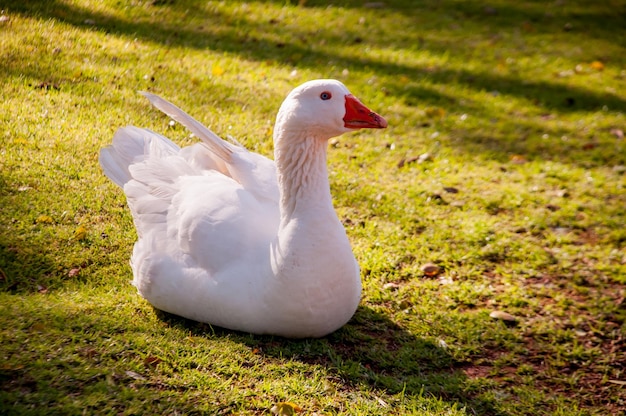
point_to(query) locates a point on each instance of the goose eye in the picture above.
(326, 95)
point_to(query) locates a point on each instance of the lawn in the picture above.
(488, 218)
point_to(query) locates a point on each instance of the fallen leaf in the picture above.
(42, 289)
(431, 269)
(518, 159)
(597, 65)
(135, 376)
(503, 316)
(424, 157)
(73, 272)
(285, 409)
(619, 382)
(152, 361)
(407, 161)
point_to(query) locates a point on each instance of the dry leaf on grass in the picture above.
(431, 269)
(505, 317)
(518, 159)
(134, 375)
(597, 65)
(285, 409)
(152, 361)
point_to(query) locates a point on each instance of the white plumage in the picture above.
(231, 238)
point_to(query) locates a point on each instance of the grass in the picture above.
(517, 109)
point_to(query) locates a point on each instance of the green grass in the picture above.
(522, 205)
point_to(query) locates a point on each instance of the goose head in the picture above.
(323, 109)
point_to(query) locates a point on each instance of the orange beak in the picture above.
(360, 117)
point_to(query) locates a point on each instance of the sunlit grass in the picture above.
(503, 165)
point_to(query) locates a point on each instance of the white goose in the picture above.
(231, 238)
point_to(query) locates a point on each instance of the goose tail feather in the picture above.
(132, 145)
(219, 147)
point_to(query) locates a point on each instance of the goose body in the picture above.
(234, 239)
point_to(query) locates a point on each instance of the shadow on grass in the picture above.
(266, 39)
(370, 351)
(24, 265)
(255, 40)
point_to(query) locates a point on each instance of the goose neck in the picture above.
(302, 175)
